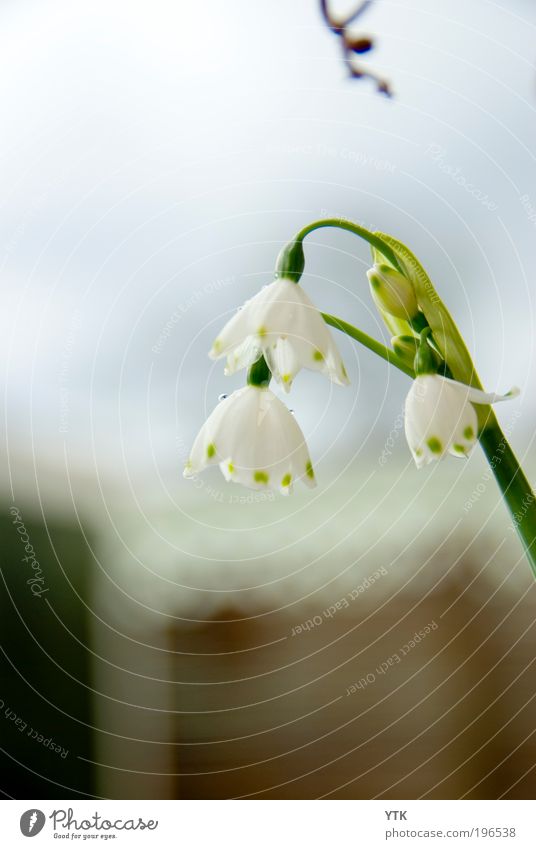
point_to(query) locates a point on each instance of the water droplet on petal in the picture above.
(222, 397)
(291, 412)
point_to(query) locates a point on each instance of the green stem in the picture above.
(351, 227)
(291, 262)
(513, 484)
(368, 342)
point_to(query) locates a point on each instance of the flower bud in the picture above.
(291, 261)
(405, 347)
(392, 292)
(426, 360)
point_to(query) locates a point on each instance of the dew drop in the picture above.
(292, 413)
(222, 397)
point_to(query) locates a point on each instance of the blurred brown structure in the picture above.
(267, 715)
(223, 664)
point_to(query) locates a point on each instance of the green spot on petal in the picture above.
(211, 450)
(309, 471)
(286, 378)
(216, 347)
(418, 452)
(286, 480)
(434, 444)
(318, 356)
(468, 432)
(344, 372)
(261, 477)
(230, 468)
(459, 448)
(262, 331)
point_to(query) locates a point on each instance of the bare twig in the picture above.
(352, 45)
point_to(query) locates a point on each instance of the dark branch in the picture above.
(352, 45)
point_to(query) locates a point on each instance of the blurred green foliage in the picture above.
(45, 692)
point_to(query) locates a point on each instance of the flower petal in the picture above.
(436, 416)
(256, 441)
(478, 396)
(232, 335)
(283, 323)
(243, 356)
(207, 447)
(284, 359)
(465, 434)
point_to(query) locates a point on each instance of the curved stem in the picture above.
(357, 230)
(368, 342)
(510, 478)
(514, 486)
(512, 481)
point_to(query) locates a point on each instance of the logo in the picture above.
(31, 822)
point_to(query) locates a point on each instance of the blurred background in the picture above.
(372, 638)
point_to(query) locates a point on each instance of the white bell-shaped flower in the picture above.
(256, 441)
(440, 417)
(282, 323)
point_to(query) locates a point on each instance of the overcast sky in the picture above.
(155, 156)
